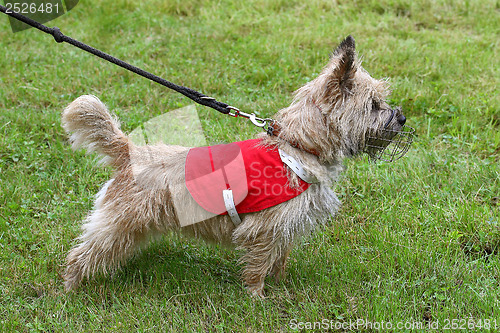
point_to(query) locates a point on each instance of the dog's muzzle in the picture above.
(390, 150)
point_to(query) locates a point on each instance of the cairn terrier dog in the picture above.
(340, 114)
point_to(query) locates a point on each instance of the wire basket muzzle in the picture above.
(391, 145)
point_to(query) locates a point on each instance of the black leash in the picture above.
(188, 92)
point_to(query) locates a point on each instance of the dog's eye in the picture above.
(375, 105)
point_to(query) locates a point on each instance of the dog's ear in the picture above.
(342, 66)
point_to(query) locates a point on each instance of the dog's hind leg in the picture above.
(103, 247)
(120, 223)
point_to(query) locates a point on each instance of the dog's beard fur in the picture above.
(332, 115)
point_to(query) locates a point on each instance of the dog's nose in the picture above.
(401, 119)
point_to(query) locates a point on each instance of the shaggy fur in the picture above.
(333, 115)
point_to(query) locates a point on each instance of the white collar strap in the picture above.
(296, 167)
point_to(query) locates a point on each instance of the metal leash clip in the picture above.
(257, 121)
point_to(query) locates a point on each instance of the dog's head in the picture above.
(347, 111)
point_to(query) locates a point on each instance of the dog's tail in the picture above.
(92, 126)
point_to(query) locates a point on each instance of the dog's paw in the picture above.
(256, 292)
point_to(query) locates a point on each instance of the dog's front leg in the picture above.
(265, 251)
(279, 268)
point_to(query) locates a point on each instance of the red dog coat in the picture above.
(255, 174)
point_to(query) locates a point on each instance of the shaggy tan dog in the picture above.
(340, 114)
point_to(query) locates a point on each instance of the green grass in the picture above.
(416, 240)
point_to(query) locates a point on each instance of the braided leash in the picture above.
(194, 95)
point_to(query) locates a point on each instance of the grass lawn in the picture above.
(415, 243)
